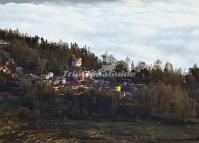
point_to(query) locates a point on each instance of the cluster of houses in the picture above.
(77, 83)
(8, 65)
(82, 81)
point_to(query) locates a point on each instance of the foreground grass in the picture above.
(70, 131)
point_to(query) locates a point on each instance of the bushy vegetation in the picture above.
(168, 93)
(85, 106)
(165, 101)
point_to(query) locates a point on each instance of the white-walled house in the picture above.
(77, 62)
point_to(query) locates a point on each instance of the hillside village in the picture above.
(45, 83)
(62, 69)
(99, 71)
(80, 82)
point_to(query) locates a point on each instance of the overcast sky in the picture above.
(144, 30)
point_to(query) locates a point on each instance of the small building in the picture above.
(10, 61)
(63, 81)
(50, 75)
(56, 82)
(87, 74)
(59, 81)
(77, 62)
(44, 77)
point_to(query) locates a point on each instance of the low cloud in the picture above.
(143, 30)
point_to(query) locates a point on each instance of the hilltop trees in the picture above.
(140, 65)
(24, 55)
(168, 68)
(121, 66)
(38, 54)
